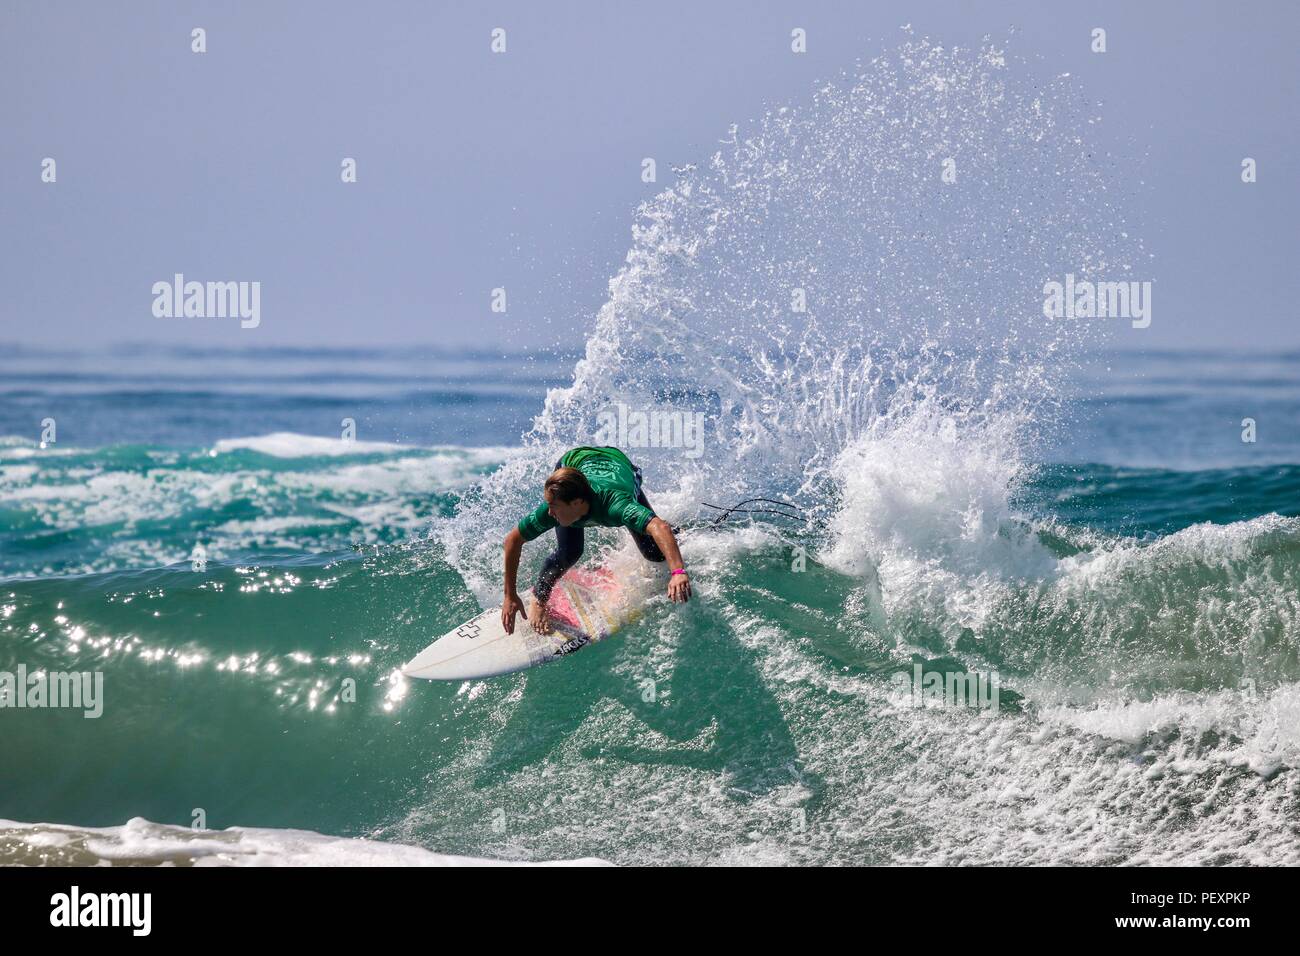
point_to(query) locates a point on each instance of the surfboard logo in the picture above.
(469, 630)
(572, 645)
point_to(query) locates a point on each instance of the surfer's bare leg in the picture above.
(569, 546)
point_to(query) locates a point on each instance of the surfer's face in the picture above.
(566, 512)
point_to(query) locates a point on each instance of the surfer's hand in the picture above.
(539, 617)
(511, 606)
(679, 588)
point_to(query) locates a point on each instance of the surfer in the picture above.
(589, 486)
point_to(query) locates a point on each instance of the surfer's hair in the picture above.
(568, 485)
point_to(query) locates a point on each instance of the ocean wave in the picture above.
(864, 343)
(98, 510)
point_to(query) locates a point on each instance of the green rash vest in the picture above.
(613, 488)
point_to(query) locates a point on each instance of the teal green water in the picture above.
(756, 724)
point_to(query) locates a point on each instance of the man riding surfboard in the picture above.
(590, 486)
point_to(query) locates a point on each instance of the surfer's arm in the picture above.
(514, 547)
(536, 522)
(679, 586)
(513, 604)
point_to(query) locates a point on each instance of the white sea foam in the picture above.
(1263, 729)
(293, 445)
(139, 842)
(314, 501)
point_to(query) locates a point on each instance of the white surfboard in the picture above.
(585, 607)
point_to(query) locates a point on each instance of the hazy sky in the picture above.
(522, 170)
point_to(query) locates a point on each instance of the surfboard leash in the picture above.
(738, 508)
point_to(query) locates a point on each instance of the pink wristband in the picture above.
(677, 571)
